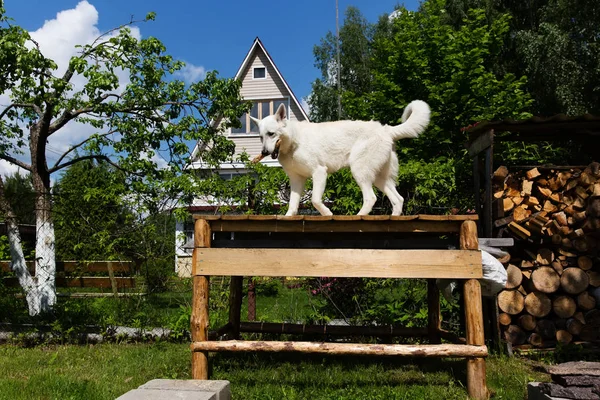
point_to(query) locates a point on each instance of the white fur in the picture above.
(318, 149)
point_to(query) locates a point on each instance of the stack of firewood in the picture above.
(552, 294)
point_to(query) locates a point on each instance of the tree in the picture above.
(91, 218)
(355, 68)
(19, 193)
(555, 43)
(419, 55)
(148, 116)
(423, 55)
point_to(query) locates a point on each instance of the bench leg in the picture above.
(434, 321)
(200, 326)
(235, 305)
(199, 320)
(476, 381)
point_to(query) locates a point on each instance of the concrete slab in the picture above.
(154, 394)
(180, 389)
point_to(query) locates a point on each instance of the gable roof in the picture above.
(257, 44)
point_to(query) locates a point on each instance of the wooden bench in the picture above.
(339, 246)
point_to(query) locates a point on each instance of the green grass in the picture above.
(107, 371)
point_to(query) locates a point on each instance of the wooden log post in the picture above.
(111, 276)
(199, 320)
(434, 320)
(235, 305)
(476, 380)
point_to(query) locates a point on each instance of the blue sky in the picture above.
(216, 35)
(207, 35)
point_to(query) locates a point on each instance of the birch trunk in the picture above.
(18, 265)
(45, 261)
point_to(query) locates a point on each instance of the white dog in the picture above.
(315, 150)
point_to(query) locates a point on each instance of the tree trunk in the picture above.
(40, 290)
(18, 265)
(45, 265)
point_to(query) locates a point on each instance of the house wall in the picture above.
(269, 88)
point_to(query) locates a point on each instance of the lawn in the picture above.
(109, 370)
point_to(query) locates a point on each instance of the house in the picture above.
(263, 85)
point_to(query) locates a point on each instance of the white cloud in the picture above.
(7, 169)
(57, 39)
(191, 73)
(161, 163)
(304, 102)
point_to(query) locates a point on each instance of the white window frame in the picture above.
(259, 79)
(261, 100)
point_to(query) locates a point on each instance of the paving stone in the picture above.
(180, 389)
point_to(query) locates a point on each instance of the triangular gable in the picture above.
(256, 45)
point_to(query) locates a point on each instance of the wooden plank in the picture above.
(403, 217)
(78, 266)
(5, 266)
(334, 330)
(94, 266)
(482, 142)
(375, 217)
(432, 350)
(347, 217)
(454, 264)
(83, 282)
(465, 217)
(262, 217)
(497, 242)
(446, 226)
(207, 217)
(290, 218)
(242, 217)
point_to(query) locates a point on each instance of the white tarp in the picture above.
(494, 274)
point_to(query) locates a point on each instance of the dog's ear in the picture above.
(255, 120)
(280, 114)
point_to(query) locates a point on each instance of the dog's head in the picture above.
(271, 130)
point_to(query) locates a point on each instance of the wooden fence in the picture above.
(114, 275)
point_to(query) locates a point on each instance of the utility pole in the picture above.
(339, 68)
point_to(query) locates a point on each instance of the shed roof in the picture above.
(557, 127)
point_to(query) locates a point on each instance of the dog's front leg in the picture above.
(297, 187)
(319, 181)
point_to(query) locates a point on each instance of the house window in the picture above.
(259, 73)
(265, 108)
(260, 109)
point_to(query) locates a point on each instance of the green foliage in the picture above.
(355, 66)
(4, 248)
(258, 191)
(157, 273)
(19, 192)
(365, 301)
(267, 286)
(91, 220)
(421, 55)
(554, 43)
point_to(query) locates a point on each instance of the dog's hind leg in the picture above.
(365, 183)
(389, 189)
(386, 182)
(297, 187)
(319, 181)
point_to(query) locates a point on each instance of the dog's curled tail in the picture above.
(415, 119)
